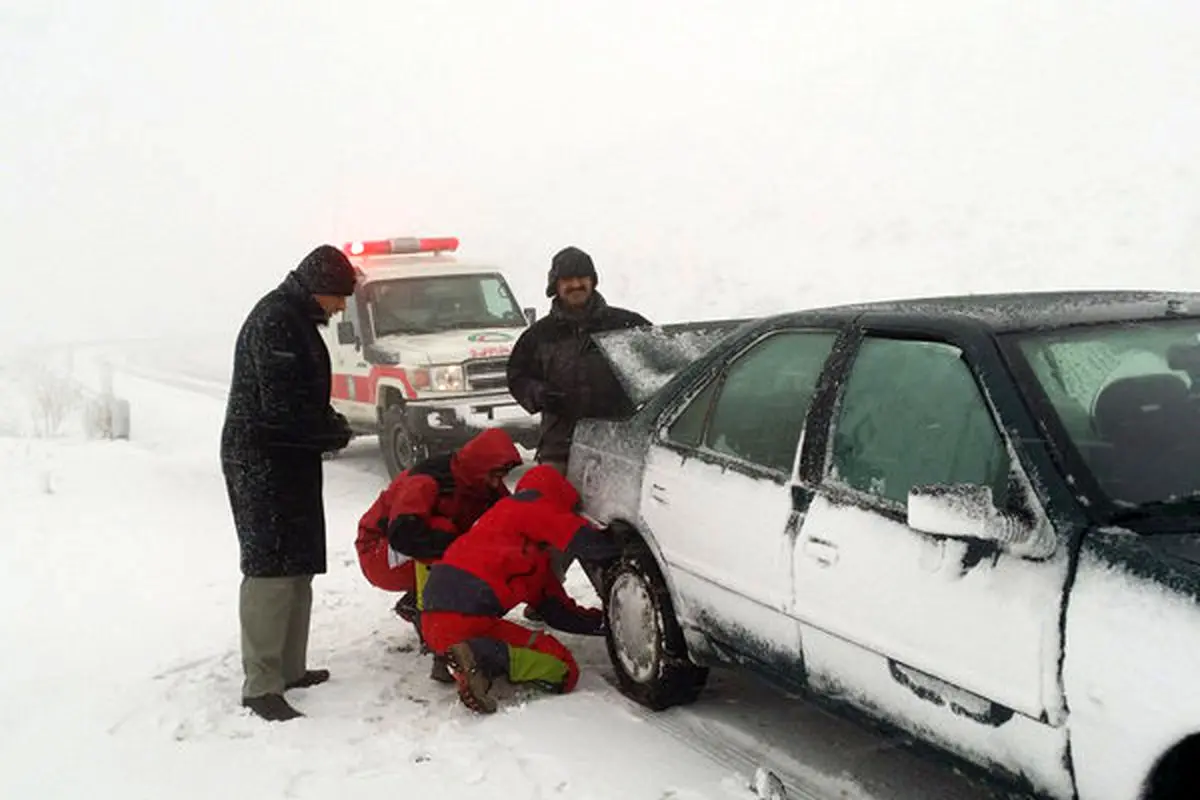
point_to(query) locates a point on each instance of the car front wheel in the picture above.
(645, 643)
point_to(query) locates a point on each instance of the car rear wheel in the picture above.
(645, 643)
(399, 446)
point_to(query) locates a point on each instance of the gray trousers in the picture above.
(274, 614)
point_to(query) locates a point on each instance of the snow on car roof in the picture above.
(1019, 311)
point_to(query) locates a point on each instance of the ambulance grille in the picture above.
(487, 373)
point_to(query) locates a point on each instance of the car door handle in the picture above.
(658, 493)
(822, 551)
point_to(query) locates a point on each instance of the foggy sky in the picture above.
(165, 164)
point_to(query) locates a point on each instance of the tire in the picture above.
(399, 447)
(645, 643)
(1176, 776)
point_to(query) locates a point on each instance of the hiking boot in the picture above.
(310, 678)
(271, 707)
(473, 685)
(406, 607)
(440, 671)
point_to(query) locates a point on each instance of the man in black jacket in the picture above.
(555, 368)
(278, 423)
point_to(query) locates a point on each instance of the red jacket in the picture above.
(424, 508)
(504, 560)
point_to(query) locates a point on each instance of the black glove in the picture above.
(340, 433)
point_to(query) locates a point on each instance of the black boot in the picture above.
(310, 678)
(473, 685)
(271, 707)
(440, 671)
(406, 607)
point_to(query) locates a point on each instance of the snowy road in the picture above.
(118, 575)
(740, 723)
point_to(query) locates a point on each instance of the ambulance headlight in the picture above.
(447, 379)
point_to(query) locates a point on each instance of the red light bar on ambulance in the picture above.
(391, 247)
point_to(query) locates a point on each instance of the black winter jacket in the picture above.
(278, 422)
(557, 354)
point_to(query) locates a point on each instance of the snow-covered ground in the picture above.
(121, 674)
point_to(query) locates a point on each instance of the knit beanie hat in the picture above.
(326, 270)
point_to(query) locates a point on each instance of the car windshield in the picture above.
(431, 304)
(1127, 396)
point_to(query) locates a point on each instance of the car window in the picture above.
(760, 406)
(497, 297)
(688, 427)
(351, 313)
(1126, 396)
(913, 415)
(435, 303)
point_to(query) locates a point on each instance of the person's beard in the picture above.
(577, 299)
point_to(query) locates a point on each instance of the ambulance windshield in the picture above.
(431, 304)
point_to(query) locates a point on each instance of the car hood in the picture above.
(644, 359)
(446, 347)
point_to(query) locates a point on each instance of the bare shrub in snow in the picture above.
(12, 412)
(55, 394)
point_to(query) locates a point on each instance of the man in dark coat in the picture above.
(278, 423)
(556, 369)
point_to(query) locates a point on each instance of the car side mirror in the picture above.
(530, 315)
(346, 334)
(962, 511)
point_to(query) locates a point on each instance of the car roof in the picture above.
(1003, 313)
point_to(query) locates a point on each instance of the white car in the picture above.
(420, 354)
(975, 519)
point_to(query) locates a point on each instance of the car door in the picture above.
(889, 611)
(716, 493)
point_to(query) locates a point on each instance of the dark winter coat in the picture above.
(278, 422)
(556, 355)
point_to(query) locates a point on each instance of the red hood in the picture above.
(550, 483)
(490, 450)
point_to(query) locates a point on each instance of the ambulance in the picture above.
(420, 354)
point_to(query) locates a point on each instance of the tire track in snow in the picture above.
(690, 728)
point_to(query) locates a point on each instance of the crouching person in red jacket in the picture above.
(423, 510)
(503, 561)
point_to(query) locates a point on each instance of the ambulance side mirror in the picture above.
(530, 314)
(346, 334)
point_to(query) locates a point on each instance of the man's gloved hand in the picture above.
(599, 621)
(340, 433)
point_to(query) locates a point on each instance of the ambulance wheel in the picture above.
(400, 447)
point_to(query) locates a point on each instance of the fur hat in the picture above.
(570, 262)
